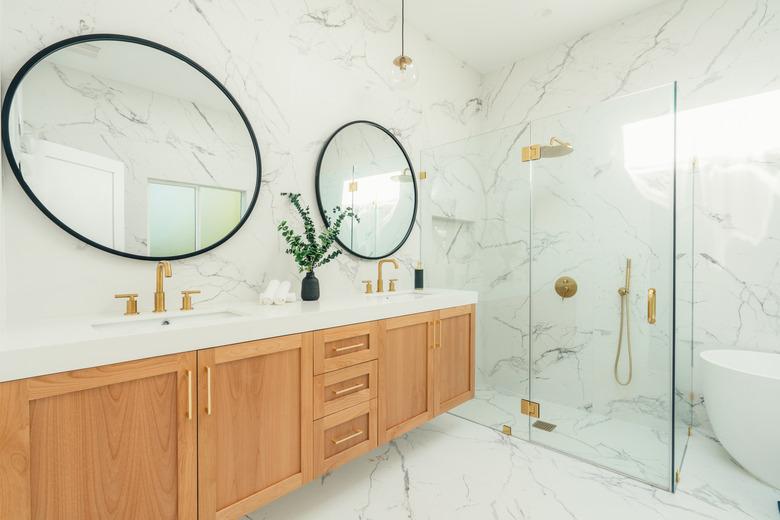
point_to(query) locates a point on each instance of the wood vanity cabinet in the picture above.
(426, 367)
(254, 424)
(218, 433)
(116, 441)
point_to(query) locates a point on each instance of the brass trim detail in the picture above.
(402, 61)
(566, 287)
(186, 299)
(347, 438)
(530, 408)
(506, 430)
(131, 308)
(349, 347)
(690, 431)
(189, 394)
(531, 153)
(391, 287)
(208, 390)
(423, 175)
(651, 298)
(369, 286)
(677, 476)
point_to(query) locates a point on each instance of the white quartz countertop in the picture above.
(46, 347)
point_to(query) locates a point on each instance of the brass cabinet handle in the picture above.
(208, 390)
(433, 325)
(189, 394)
(439, 344)
(349, 389)
(347, 438)
(348, 347)
(651, 298)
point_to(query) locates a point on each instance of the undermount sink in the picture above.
(154, 323)
(401, 296)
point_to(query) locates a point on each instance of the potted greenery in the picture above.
(310, 249)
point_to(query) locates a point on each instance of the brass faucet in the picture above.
(163, 269)
(380, 283)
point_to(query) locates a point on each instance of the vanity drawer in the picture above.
(344, 435)
(342, 347)
(344, 388)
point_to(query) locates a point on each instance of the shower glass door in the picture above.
(602, 198)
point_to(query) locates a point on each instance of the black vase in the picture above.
(310, 288)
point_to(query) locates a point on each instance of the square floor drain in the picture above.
(548, 427)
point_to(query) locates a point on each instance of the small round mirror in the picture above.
(131, 147)
(363, 166)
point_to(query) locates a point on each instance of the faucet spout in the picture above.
(380, 283)
(163, 271)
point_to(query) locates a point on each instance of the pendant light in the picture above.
(403, 74)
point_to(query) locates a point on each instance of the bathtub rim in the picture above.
(719, 358)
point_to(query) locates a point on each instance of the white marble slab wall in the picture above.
(718, 53)
(299, 70)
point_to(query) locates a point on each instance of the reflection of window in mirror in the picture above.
(186, 217)
(374, 199)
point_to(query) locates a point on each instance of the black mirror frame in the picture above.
(39, 56)
(414, 183)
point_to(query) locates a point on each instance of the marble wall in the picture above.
(722, 57)
(299, 70)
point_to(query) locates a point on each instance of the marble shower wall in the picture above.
(723, 55)
(299, 70)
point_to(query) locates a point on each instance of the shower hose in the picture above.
(624, 320)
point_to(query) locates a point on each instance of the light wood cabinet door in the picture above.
(454, 357)
(406, 377)
(112, 442)
(255, 424)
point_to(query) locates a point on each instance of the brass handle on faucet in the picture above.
(186, 299)
(392, 284)
(132, 303)
(369, 286)
(651, 298)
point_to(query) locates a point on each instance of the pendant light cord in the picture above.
(403, 19)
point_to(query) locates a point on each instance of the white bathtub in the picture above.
(742, 396)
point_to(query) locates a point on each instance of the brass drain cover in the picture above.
(548, 427)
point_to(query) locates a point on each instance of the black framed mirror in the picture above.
(364, 166)
(131, 147)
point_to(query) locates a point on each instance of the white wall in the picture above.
(299, 70)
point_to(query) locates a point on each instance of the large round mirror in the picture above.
(131, 147)
(363, 166)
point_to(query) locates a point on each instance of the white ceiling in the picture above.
(487, 34)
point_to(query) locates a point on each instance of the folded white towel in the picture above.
(281, 293)
(267, 296)
(291, 298)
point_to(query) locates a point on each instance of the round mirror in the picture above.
(363, 166)
(131, 147)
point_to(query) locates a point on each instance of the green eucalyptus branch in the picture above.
(311, 249)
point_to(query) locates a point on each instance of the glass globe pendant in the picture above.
(403, 74)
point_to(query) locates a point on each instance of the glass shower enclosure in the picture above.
(566, 226)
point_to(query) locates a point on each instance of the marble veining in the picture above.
(454, 469)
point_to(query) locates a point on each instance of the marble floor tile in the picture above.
(453, 469)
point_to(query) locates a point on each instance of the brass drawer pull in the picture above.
(347, 438)
(349, 347)
(189, 394)
(651, 297)
(208, 390)
(349, 389)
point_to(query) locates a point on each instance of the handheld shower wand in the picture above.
(625, 314)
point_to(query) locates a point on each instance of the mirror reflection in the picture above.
(364, 167)
(132, 148)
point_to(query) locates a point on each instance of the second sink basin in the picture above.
(161, 322)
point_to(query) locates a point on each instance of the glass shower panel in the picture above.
(602, 217)
(475, 222)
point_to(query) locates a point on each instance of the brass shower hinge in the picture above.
(423, 175)
(353, 186)
(506, 430)
(529, 408)
(532, 153)
(690, 431)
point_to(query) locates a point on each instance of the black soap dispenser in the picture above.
(418, 277)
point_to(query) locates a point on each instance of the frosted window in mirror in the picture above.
(172, 219)
(363, 166)
(91, 121)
